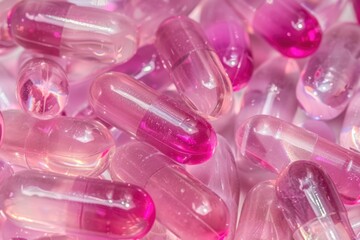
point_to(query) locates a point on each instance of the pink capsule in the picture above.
(350, 134)
(183, 204)
(286, 25)
(271, 90)
(194, 66)
(61, 28)
(6, 41)
(356, 5)
(353, 213)
(230, 40)
(311, 204)
(42, 88)
(330, 75)
(83, 206)
(261, 218)
(146, 67)
(273, 143)
(156, 119)
(63, 145)
(7, 90)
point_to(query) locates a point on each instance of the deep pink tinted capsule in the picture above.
(159, 120)
(350, 131)
(85, 206)
(42, 88)
(274, 143)
(62, 145)
(61, 28)
(311, 204)
(231, 42)
(194, 66)
(183, 204)
(286, 25)
(328, 79)
(356, 5)
(260, 218)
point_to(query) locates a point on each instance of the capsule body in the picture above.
(8, 89)
(83, 206)
(356, 6)
(62, 145)
(349, 135)
(42, 88)
(183, 204)
(156, 119)
(194, 66)
(230, 40)
(273, 144)
(61, 28)
(6, 40)
(328, 80)
(286, 25)
(311, 204)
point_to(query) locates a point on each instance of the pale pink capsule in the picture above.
(63, 145)
(6, 40)
(183, 204)
(7, 90)
(311, 204)
(261, 218)
(328, 80)
(61, 28)
(42, 88)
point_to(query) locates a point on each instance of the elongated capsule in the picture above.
(273, 143)
(330, 76)
(349, 135)
(310, 203)
(6, 41)
(286, 25)
(183, 204)
(63, 145)
(42, 88)
(159, 120)
(61, 28)
(194, 66)
(84, 206)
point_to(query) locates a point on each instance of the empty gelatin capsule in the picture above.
(261, 218)
(61, 28)
(286, 25)
(311, 204)
(42, 88)
(83, 206)
(183, 204)
(328, 79)
(271, 90)
(159, 120)
(194, 66)
(63, 145)
(228, 35)
(350, 134)
(273, 143)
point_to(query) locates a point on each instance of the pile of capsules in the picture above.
(179, 119)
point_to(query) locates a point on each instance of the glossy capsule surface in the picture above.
(42, 88)
(61, 28)
(159, 120)
(350, 130)
(63, 145)
(6, 41)
(183, 204)
(311, 204)
(286, 25)
(273, 143)
(194, 66)
(85, 206)
(330, 77)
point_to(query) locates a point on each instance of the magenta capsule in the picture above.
(273, 143)
(328, 80)
(231, 42)
(63, 145)
(159, 120)
(356, 6)
(183, 204)
(261, 218)
(83, 206)
(350, 130)
(286, 25)
(60, 28)
(194, 66)
(310, 203)
(42, 88)
(271, 90)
